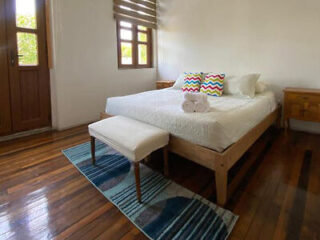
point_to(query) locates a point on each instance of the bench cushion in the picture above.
(132, 138)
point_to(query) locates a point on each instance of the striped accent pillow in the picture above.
(192, 82)
(213, 85)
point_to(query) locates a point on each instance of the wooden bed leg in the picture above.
(93, 150)
(221, 186)
(166, 161)
(278, 121)
(137, 176)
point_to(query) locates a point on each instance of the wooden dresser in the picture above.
(302, 104)
(164, 84)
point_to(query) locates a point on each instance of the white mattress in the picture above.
(230, 117)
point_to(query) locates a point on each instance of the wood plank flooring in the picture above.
(42, 196)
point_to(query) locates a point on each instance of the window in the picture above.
(134, 45)
(135, 21)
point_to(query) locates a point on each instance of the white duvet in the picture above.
(229, 118)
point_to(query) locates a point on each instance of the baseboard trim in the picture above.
(25, 134)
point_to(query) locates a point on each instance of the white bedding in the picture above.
(230, 117)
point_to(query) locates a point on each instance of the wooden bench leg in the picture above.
(166, 161)
(137, 176)
(147, 159)
(93, 150)
(221, 186)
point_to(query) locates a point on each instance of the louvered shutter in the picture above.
(140, 12)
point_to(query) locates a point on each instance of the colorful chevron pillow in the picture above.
(213, 84)
(192, 82)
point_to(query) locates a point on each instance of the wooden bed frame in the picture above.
(220, 163)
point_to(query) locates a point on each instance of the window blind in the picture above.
(141, 12)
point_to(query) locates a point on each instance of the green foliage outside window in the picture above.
(26, 21)
(27, 42)
(142, 54)
(126, 50)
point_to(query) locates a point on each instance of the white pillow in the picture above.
(179, 82)
(261, 87)
(241, 85)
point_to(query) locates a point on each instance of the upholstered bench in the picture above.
(132, 138)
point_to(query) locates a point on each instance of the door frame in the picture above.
(5, 115)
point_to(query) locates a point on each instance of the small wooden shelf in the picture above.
(164, 84)
(301, 104)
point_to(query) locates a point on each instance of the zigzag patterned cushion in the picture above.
(192, 82)
(213, 85)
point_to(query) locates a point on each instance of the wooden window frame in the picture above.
(135, 44)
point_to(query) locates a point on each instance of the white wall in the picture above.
(85, 62)
(278, 38)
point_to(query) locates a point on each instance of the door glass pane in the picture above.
(142, 28)
(27, 49)
(125, 34)
(26, 14)
(142, 37)
(142, 49)
(126, 53)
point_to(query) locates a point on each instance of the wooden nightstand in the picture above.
(302, 104)
(164, 84)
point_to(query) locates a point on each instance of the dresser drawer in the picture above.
(303, 106)
(161, 85)
(302, 98)
(305, 111)
(312, 113)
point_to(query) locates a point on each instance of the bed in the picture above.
(216, 139)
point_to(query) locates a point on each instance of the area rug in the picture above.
(168, 210)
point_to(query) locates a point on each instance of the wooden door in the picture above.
(28, 64)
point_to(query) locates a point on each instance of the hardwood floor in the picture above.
(42, 196)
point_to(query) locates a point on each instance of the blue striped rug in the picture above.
(168, 211)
